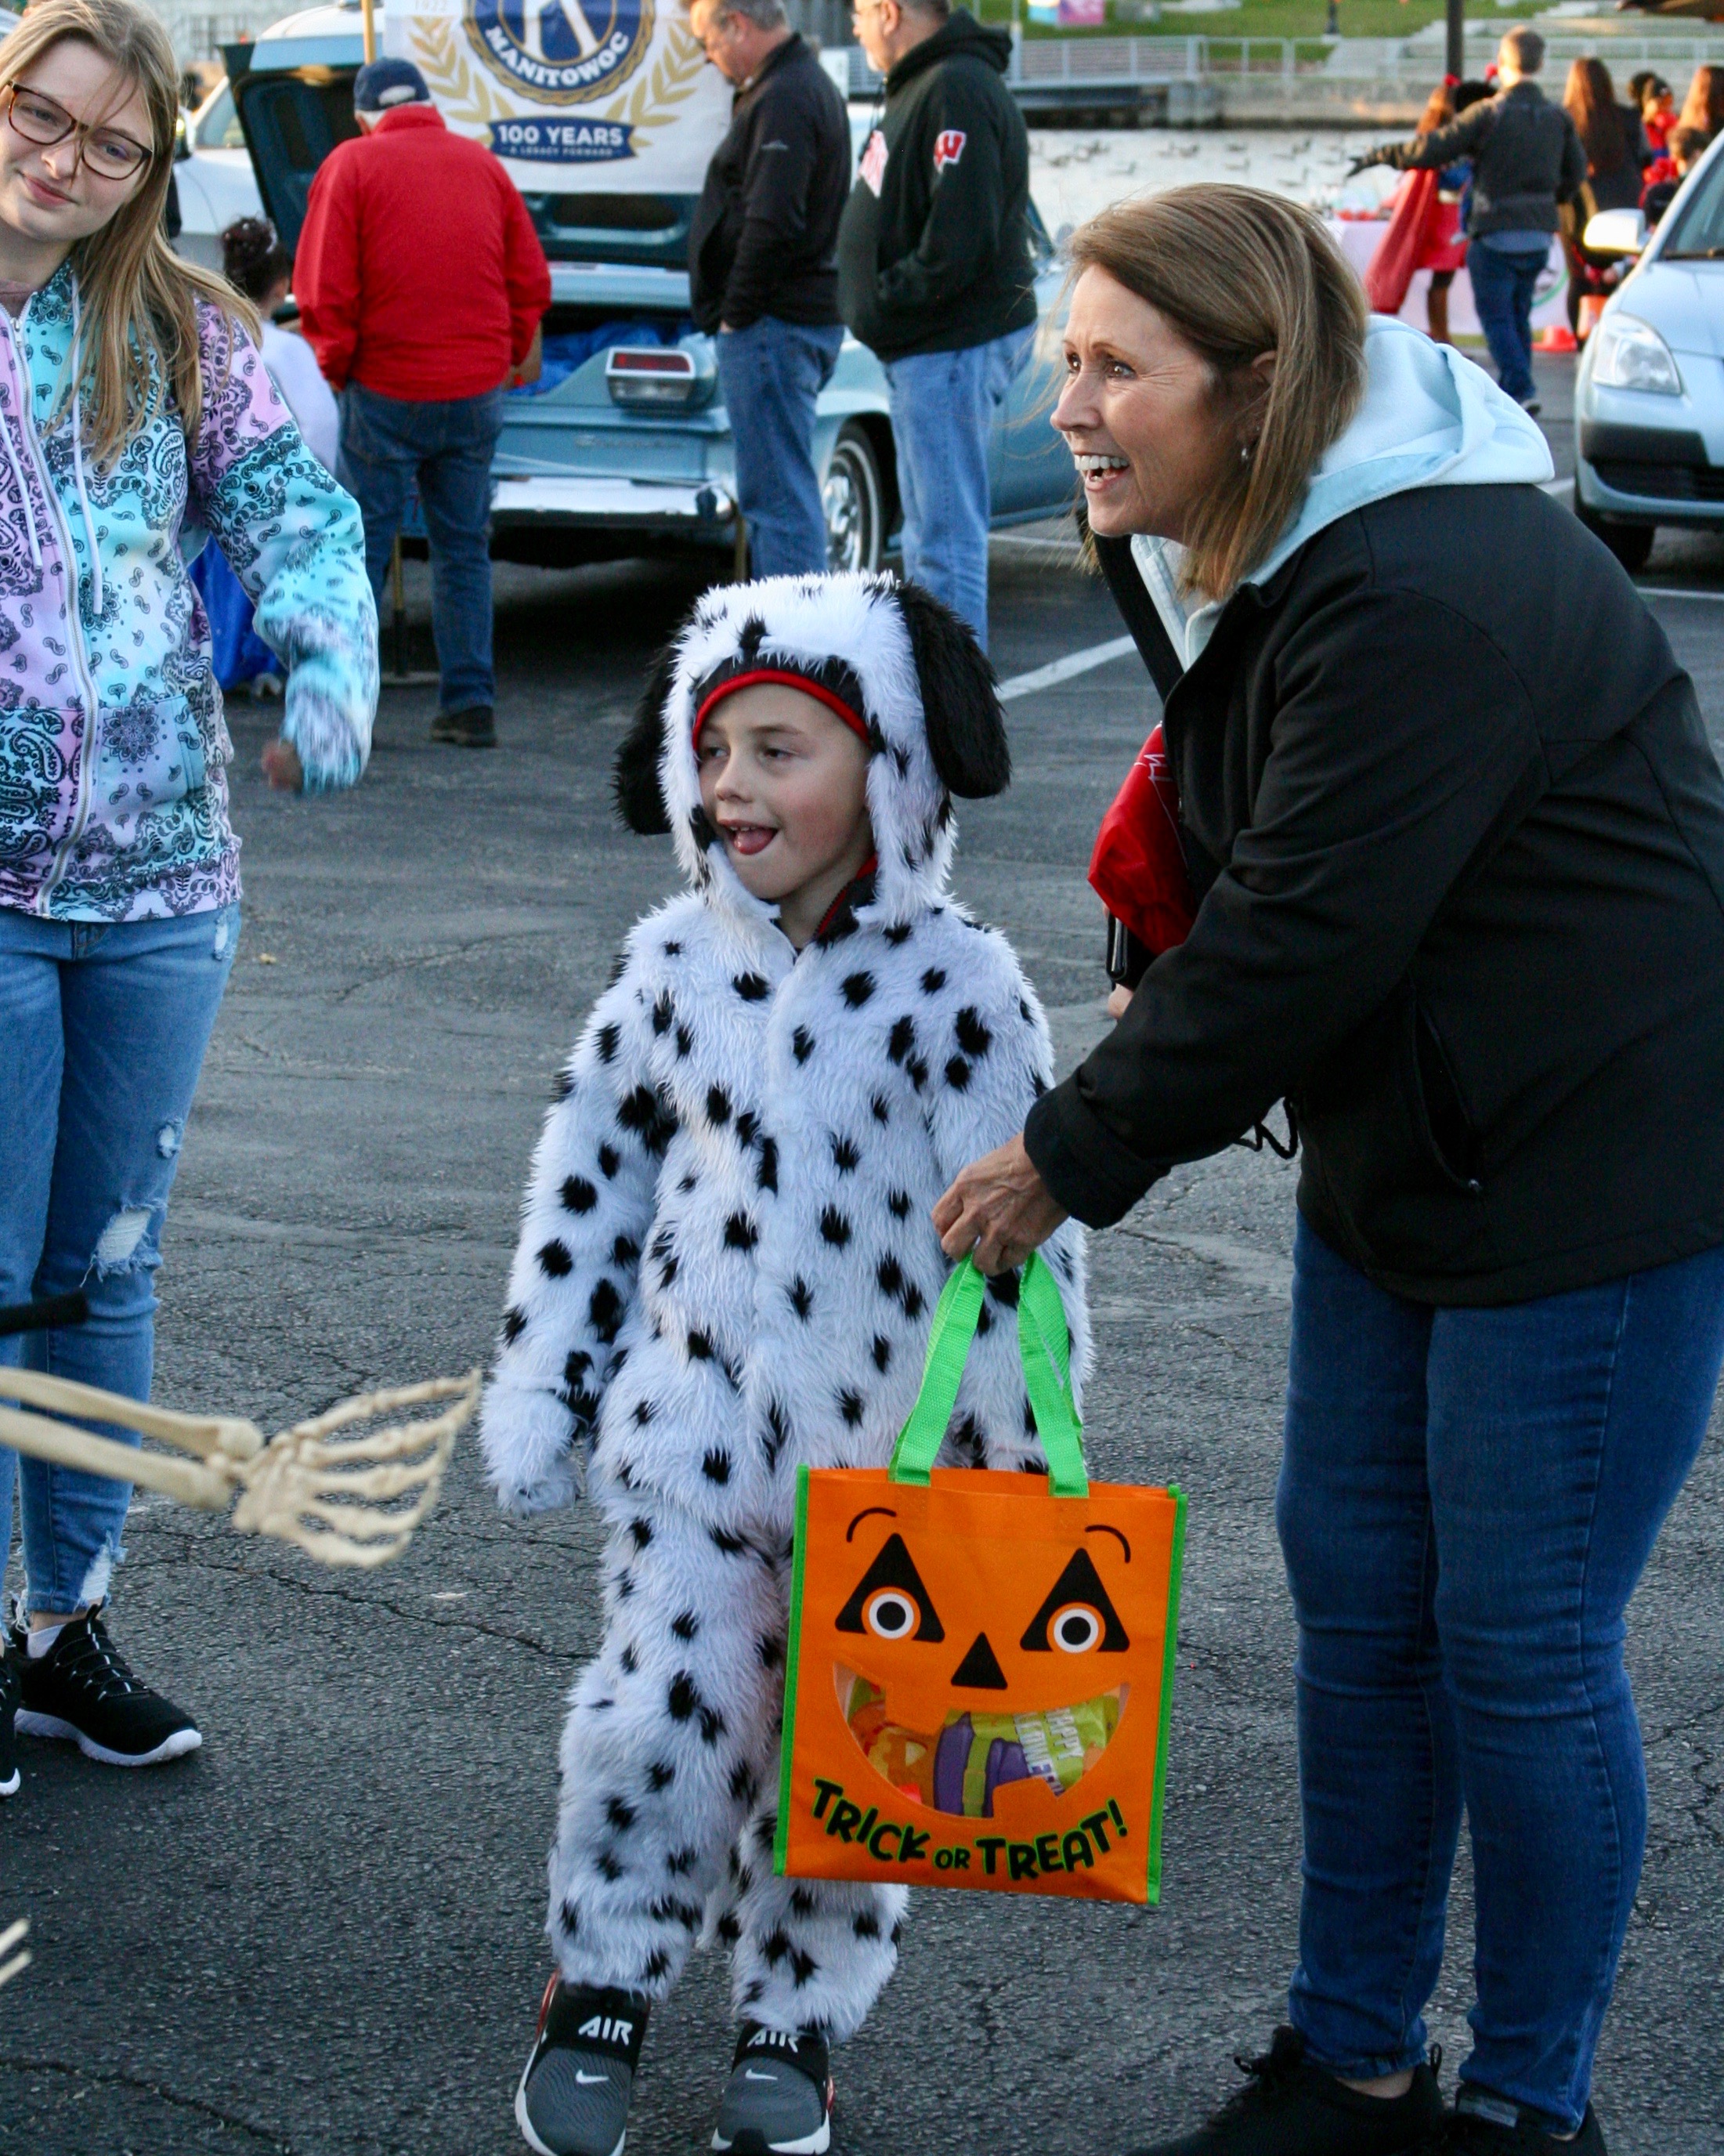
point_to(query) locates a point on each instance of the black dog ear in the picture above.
(961, 704)
(634, 775)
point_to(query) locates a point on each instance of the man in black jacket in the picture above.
(1525, 158)
(935, 273)
(760, 270)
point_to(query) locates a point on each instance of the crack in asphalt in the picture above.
(334, 1592)
(116, 2078)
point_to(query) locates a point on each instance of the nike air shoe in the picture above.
(1290, 2107)
(778, 2101)
(10, 1777)
(573, 2097)
(83, 1690)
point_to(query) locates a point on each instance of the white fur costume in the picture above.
(727, 1267)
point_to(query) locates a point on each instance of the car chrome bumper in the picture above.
(613, 505)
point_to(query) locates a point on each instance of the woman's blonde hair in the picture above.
(1237, 273)
(137, 298)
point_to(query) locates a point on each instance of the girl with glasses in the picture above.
(137, 419)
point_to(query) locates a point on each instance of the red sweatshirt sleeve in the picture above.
(326, 269)
(526, 274)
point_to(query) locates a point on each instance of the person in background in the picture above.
(1703, 108)
(257, 266)
(421, 360)
(154, 419)
(935, 273)
(762, 272)
(1526, 158)
(1617, 155)
(1439, 245)
(1687, 146)
(1655, 101)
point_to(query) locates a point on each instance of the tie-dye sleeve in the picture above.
(295, 542)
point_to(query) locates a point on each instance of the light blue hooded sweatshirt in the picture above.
(1429, 418)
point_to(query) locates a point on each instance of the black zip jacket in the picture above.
(764, 231)
(934, 252)
(1462, 882)
(1526, 158)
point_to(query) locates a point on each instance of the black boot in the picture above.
(1482, 2124)
(1292, 2108)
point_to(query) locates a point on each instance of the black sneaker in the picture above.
(1292, 2108)
(573, 2097)
(778, 2100)
(472, 728)
(81, 1689)
(9, 1775)
(1482, 2124)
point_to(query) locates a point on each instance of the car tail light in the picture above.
(656, 377)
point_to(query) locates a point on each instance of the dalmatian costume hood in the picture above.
(728, 1268)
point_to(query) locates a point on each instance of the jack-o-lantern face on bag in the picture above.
(937, 1713)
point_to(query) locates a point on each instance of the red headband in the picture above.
(818, 690)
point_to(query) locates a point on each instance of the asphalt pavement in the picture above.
(322, 1934)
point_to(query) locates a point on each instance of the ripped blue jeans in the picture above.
(102, 1034)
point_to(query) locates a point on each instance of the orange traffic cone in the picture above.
(1558, 337)
(1592, 306)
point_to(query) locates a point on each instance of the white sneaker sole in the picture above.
(32, 1724)
(522, 2121)
(12, 1787)
(811, 2145)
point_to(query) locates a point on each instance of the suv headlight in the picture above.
(1630, 354)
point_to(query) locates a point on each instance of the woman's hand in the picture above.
(1119, 1002)
(998, 1211)
(282, 767)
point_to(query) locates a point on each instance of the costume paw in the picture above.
(521, 1500)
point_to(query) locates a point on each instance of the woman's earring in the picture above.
(1246, 452)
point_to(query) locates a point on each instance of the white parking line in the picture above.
(1062, 669)
(1556, 486)
(1664, 592)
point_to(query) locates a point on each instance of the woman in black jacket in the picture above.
(1455, 837)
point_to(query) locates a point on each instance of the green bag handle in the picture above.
(1044, 1347)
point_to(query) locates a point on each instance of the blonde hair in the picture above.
(138, 297)
(1237, 273)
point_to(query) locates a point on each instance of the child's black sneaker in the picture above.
(778, 2100)
(573, 2097)
(81, 1689)
(1291, 2107)
(9, 1775)
(1482, 2124)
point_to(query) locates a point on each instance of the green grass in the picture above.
(1264, 18)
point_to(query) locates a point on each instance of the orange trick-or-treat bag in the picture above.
(981, 1665)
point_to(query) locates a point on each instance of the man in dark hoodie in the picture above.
(935, 273)
(761, 272)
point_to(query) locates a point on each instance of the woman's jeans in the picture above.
(1466, 1503)
(102, 1034)
(388, 445)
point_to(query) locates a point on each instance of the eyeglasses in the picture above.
(107, 152)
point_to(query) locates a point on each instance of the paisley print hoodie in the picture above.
(113, 749)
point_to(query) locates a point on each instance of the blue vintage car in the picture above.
(622, 448)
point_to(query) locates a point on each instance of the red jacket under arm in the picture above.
(418, 272)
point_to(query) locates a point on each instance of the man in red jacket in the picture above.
(421, 282)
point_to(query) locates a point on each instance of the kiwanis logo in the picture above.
(561, 52)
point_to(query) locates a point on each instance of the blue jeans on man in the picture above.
(102, 1034)
(1467, 1499)
(943, 408)
(1504, 277)
(769, 375)
(387, 444)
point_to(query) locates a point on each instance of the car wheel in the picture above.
(852, 500)
(1630, 543)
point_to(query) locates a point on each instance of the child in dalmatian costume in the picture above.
(728, 1268)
